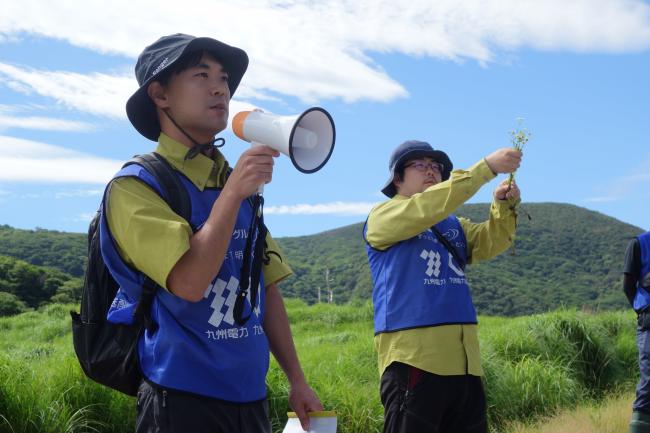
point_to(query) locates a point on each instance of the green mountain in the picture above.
(23, 286)
(564, 255)
(61, 250)
(38, 267)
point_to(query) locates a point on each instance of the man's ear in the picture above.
(397, 181)
(158, 94)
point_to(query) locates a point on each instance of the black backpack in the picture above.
(108, 352)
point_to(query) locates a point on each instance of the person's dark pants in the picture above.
(416, 401)
(640, 422)
(161, 410)
(642, 402)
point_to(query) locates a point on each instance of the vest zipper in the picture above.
(164, 393)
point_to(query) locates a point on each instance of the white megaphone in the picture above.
(307, 138)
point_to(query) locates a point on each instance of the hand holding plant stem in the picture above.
(519, 138)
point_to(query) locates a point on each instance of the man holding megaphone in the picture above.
(206, 360)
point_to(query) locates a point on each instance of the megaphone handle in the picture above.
(260, 189)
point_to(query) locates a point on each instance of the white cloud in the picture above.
(95, 93)
(31, 161)
(42, 123)
(333, 208)
(98, 94)
(79, 193)
(22, 108)
(84, 217)
(293, 49)
(315, 50)
(636, 184)
(11, 116)
(312, 50)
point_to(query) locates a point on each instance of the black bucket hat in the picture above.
(163, 54)
(414, 149)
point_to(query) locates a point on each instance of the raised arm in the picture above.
(404, 217)
(493, 236)
(199, 265)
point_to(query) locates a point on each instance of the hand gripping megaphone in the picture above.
(307, 138)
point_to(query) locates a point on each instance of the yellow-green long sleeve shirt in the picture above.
(149, 235)
(447, 349)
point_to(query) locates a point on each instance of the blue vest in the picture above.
(642, 297)
(418, 283)
(198, 347)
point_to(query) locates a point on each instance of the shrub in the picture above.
(11, 304)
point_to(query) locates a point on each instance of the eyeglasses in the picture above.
(424, 166)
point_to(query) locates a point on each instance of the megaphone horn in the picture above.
(308, 138)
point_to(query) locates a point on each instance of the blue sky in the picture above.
(455, 74)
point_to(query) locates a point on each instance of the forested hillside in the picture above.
(24, 286)
(564, 256)
(61, 250)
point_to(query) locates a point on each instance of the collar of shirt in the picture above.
(201, 170)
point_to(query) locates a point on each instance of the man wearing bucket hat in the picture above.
(204, 364)
(636, 285)
(425, 321)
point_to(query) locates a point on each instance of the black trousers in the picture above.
(642, 401)
(416, 401)
(161, 410)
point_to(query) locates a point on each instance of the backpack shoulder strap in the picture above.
(175, 193)
(178, 200)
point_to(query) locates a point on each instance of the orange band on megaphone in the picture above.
(238, 123)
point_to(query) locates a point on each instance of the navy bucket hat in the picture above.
(414, 149)
(163, 54)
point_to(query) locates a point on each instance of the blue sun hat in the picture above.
(413, 149)
(163, 54)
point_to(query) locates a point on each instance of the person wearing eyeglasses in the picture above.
(425, 322)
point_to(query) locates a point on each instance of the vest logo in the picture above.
(453, 267)
(219, 303)
(433, 262)
(451, 234)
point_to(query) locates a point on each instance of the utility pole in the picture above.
(319, 294)
(330, 292)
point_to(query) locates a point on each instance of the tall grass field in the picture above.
(534, 366)
(611, 415)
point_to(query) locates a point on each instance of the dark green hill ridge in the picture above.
(565, 256)
(61, 250)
